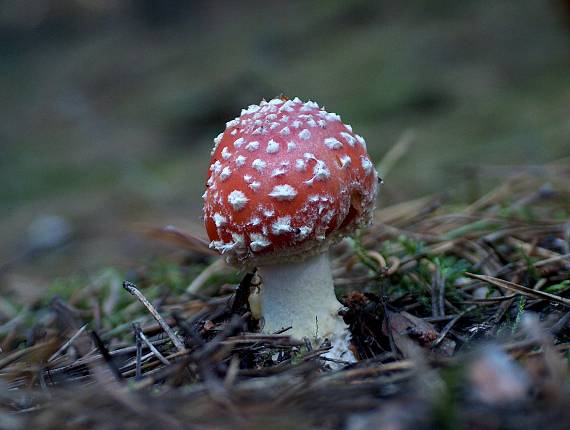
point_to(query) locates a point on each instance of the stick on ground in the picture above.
(131, 288)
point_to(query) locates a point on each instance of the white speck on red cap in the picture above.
(280, 171)
(217, 141)
(258, 242)
(220, 220)
(226, 173)
(272, 147)
(232, 123)
(332, 143)
(288, 106)
(309, 106)
(345, 161)
(250, 110)
(237, 199)
(258, 164)
(283, 192)
(226, 154)
(366, 164)
(281, 225)
(255, 185)
(320, 172)
(303, 232)
(305, 134)
(240, 160)
(216, 167)
(221, 246)
(252, 146)
(348, 137)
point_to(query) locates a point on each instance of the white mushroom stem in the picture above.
(301, 295)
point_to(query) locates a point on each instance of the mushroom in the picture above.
(287, 180)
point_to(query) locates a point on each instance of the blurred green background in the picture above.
(109, 107)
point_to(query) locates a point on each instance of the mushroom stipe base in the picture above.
(301, 295)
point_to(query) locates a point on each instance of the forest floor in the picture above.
(460, 318)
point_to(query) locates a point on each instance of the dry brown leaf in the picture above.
(406, 326)
(182, 239)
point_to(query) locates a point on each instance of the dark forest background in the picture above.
(108, 107)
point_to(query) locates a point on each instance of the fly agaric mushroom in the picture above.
(288, 180)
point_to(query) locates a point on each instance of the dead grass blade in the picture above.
(537, 294)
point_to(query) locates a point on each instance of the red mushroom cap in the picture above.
(286, 179)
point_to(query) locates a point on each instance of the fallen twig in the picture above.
(131, 288)
(68, 343)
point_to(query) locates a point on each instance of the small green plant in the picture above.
(531, 270)
(411, 247)
(558, 288)
(297, 355)
(520, 313)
